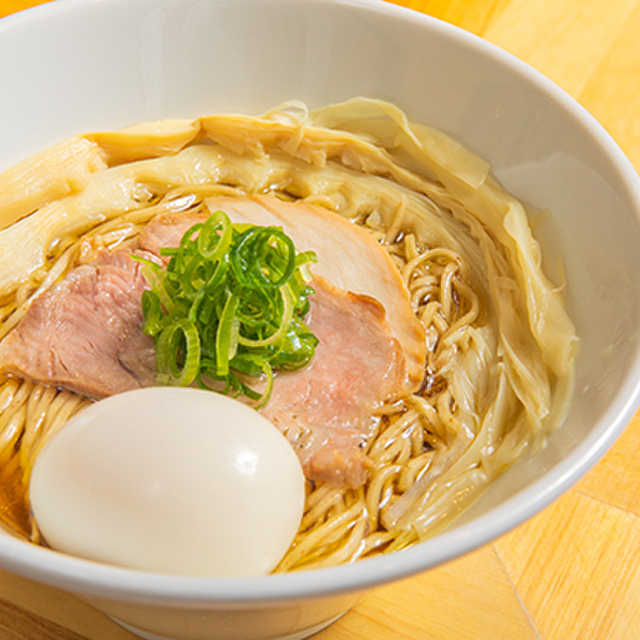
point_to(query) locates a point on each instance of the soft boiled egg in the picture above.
(170, 480)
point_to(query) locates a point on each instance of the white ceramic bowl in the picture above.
(74, 66)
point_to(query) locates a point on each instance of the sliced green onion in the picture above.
(211, 244)
(178, 354)
(227, 335)
(289, 307)
(229, 307)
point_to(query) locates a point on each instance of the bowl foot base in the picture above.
(298, 635)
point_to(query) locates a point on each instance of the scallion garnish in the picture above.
(230, 305)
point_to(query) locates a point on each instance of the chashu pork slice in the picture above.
(327, 409)
(85, 334)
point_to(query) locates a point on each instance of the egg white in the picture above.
(170, 480)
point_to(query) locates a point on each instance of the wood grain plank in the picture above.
(616, 480)
(564, 39)
(472, 597)
(576, 569)
(471, 15)
(613, 92)
(18, 624)
(38, 602)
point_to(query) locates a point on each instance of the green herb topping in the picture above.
(230, 305)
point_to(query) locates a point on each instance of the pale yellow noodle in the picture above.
(12, 430)
(37, 407)
(414, 468)
(13, 416)
(377, 487)
(60, 409)
(330, 497)
(321, 538)
(374, 542)
(391, 434)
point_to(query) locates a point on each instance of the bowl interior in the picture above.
(74, 66)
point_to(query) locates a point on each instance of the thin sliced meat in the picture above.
(85, 333)
(326, 410)
(348, 257)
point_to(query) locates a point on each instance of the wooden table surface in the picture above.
(573, 572)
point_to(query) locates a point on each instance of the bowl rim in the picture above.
(96, 579)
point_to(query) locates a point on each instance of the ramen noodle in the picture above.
(500, 346)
